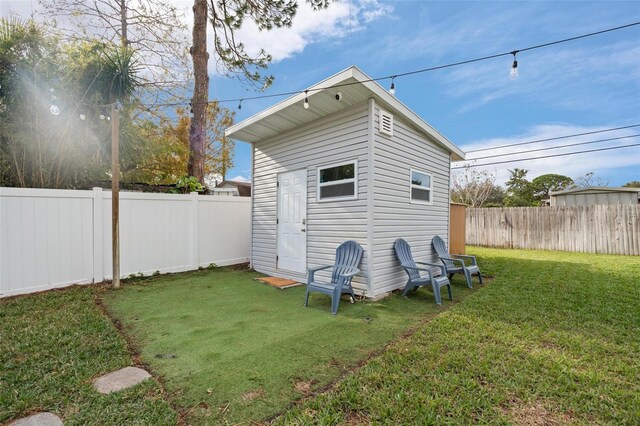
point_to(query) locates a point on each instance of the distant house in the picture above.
(242, 189)
(345, 161)
(595, 195)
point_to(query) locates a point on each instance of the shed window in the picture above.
(421, 187)
(338, 182)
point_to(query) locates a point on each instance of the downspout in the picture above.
(370, 198)
(252, 201)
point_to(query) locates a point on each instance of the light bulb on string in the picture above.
(514, 66)
(82, 116)
(306, 100)
(240, 105)
(53, 109)
(392, 89)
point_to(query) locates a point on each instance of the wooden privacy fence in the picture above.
(612, 229)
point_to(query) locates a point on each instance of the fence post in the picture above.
(98, 269)
(195, 231)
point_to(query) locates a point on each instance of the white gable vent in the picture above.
(386, 123)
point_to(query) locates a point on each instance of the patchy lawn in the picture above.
(554, 339)
(52, 345)
(231, 349)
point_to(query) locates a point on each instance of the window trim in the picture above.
(412, 185)
(354, 179)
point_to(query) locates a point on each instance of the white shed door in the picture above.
(292, 221)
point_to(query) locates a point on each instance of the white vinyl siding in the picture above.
(394, 215)
(338, 138)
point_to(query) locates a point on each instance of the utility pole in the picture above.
(115, 194)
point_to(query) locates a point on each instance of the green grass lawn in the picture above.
(52, 345)
(231, 349)
(554, 339)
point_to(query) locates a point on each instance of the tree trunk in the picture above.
(123, 23)
(197, 131)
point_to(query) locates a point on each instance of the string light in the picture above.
(514, 70)
(514, 66)
(53, 109)
(82, 116)
(392, 89)
(306, 100)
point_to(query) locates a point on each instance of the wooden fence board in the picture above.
(613, 229)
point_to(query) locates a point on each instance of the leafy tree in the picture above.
(473, 187)
(519, 189)
(226, 17)
(51, 135)
(544, 184)
(162, 152)
(154, 29)
(632, 184)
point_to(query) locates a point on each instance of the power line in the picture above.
(546, 156)
(554, 138)
(553, 147)
(418, 71)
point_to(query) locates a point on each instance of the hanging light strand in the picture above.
(417, 71)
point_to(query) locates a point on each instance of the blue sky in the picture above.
(576, 87)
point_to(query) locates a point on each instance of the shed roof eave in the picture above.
(242, 130)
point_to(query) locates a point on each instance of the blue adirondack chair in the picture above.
(348, 257)
(403, 253)
(454, 263)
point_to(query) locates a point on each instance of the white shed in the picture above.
(357, 164)
(593, 195)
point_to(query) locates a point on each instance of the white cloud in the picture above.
(310, 26)
(572, 165)
(240, 179)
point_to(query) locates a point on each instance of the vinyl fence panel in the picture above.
(53, 238)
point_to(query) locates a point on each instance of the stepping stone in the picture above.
(40, 419)
(121, 379)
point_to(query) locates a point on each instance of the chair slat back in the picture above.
(403, 253)
(348, 256)
(441, 249)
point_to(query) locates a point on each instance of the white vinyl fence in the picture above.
(53, 238)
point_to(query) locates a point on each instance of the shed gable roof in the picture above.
(289, 113)
(594, 190)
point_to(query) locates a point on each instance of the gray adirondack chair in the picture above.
(454, 263)
(403, 253)
(348, 257)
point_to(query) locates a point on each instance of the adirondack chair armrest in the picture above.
(427, 270)
(312, 271)
(435, 265)
(463, 256)
(452, 259)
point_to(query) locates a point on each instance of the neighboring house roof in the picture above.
(290, 114)
(594, 190)
(244, 188)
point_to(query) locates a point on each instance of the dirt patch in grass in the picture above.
(356, 418)
(253, 394)
(536, 413)
(304, 386)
